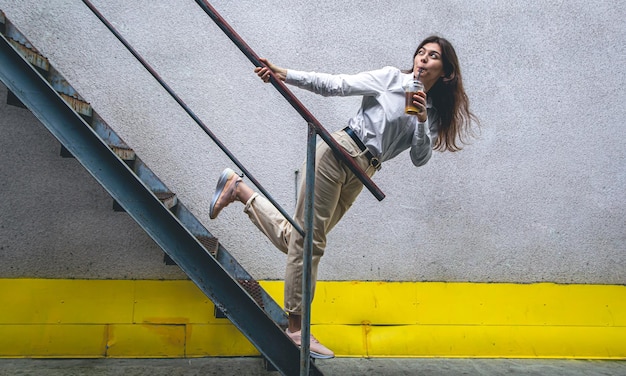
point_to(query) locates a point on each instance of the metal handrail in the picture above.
(291, 98)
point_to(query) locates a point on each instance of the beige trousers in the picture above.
(336, 188)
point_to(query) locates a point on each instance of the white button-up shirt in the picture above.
(381, 122)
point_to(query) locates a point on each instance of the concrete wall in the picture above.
(540, 196)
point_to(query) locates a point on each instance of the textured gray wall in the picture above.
(540, 196)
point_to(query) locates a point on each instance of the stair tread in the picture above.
(254, 289)
(210, 243)
(167, 198)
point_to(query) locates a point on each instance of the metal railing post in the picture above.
(305, 360)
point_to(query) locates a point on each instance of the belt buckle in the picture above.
(375, 162)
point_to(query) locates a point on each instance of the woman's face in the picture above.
(430, 61)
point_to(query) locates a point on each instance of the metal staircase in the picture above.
(84, 135)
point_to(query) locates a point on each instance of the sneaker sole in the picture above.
(315, 355)
(221, 183)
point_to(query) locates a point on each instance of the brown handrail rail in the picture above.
(291, 98)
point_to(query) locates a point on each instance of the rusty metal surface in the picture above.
(106, 133)
(167, 198)
(125, 153)
(33, 57)
(210, 243)
(79, 106)
(60, 84)
(254, 289)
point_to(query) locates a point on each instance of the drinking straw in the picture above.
(419, 72)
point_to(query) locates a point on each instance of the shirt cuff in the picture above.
(294, 77)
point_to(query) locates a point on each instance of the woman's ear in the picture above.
(449, 78)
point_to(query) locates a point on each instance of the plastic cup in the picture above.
(411, 88)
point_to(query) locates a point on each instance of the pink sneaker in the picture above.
(225, 192)
(316, 349)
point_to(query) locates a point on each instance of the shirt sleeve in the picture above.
(423, 140)
(364, 83)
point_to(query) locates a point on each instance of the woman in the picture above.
(380, 131)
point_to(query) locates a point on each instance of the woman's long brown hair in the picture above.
(450, 100)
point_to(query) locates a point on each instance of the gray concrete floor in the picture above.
(339, 366)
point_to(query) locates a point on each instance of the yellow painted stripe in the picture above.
(60, 301)
(95, 318)
(217, 340)
(50, 340)
(146, 341)
(172, 302)
(433, 303)
(474, 341)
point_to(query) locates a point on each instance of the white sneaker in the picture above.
(316, 349)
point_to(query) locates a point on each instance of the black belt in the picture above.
(374, 161)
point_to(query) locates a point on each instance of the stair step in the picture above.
(42, 63)
(30, 54)
(67, 92)
(210, 243)
(106, 133)
(254, 289)
(60, 84)
(125, 153)
(78, 105)
(168, 199)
